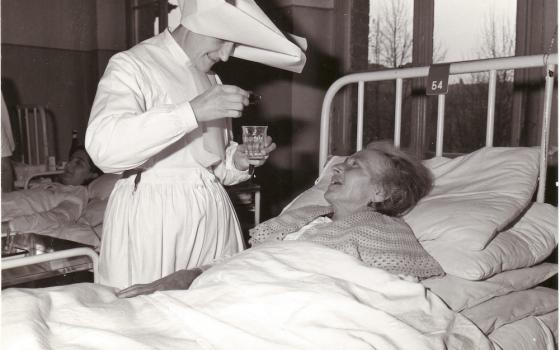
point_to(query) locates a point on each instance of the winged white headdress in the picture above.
(245, 24)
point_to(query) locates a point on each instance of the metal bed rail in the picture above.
(487, 65)
(68, 253)
(33, 130)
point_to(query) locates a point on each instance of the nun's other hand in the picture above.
(241, 157)
(181, 279)
(220, 101)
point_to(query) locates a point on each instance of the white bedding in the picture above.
(78, 232)
(282, 295)
(528, 333)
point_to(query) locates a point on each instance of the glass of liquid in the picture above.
(254, 138)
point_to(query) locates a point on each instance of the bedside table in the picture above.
(246, 199)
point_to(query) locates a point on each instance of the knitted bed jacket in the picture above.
(378, 240)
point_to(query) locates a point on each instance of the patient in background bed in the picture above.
(48, 206)
(368, 193)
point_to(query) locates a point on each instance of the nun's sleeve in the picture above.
(226, 171)
(121, 133)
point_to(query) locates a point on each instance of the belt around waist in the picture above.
(133, 172)
(169, 175)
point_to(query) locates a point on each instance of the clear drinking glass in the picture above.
(254, 138)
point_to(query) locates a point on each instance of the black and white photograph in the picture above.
(279, 174)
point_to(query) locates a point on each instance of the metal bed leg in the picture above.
(257, 207)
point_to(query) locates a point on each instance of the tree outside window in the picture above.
(464, 30)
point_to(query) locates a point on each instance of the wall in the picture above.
(52, 54)
(337, 45)
(291, 103)
(309, 88)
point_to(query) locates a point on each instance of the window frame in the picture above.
(536, 25)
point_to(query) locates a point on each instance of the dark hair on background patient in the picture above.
(405, 182)
(92, 165)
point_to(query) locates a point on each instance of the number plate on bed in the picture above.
(438, 77)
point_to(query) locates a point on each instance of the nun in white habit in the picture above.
(162, 118)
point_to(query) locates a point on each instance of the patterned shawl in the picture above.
(378, 240)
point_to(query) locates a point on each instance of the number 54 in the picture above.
(437, 84)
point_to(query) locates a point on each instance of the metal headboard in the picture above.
(486, 65)
(33, 129)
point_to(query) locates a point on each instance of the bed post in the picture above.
(549, 87)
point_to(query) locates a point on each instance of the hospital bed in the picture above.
(480, 222)
(35, 131)
(88, 227)
(61, 253)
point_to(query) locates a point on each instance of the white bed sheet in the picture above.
(282, 295)
(78, 232)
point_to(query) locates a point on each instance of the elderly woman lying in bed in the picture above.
(367, 195)
(51, 205)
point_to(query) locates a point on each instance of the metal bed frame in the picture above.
(33, 127)
(487, 65)
(63, 254)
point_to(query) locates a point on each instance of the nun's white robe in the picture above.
(179, 216)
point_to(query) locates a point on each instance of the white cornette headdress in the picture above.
(245, 24)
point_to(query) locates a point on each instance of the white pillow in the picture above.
(528, 242)
(509, 308)
(528, 333)
(550, 321)
(101, 187)
(475, 195)
(459, 293)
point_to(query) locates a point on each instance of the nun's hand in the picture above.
(220, 101)
(181, 279)
(241, 158)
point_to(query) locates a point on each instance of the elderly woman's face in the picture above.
(356, 182)
(78, 170)
(210, 51)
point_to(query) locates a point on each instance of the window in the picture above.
(474, 29)
(469, 30)
(389, 46)
(463, 30)
(390, 32)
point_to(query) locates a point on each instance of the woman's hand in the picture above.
(181, 279)
(241, 159)
(220, 101)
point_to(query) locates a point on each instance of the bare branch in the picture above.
(391, 35)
